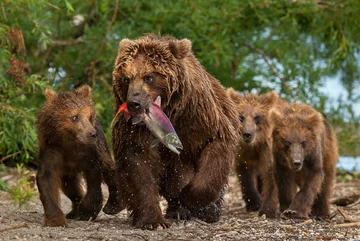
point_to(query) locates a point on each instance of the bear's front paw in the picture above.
(154, 226)
(290, 213)
(209, 214)
(86, 212)
(58, 221)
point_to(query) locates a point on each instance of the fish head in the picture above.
(172, 140)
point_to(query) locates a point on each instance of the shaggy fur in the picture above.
(305, 154)
(72, 142)
(254, 158)
(203, 116)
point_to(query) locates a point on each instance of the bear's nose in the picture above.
(93, 134)
(297, 163)
(133, 105)
(247, 135)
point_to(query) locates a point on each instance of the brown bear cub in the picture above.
(254, 157)
(305, 155)
(71, 143)
(204, 117)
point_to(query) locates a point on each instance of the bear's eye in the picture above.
(257, 118)
(126, 80)
(287, 143)
(242, 118)
(304, 143)
(149, 79)
(75, 118)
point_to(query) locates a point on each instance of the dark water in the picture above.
(349, 163)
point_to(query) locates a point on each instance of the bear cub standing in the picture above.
(305, 155)
(71, 143)
(254, 157)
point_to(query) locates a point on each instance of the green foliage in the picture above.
(18, 106)
(347, 176)
(293, 47)
(22, 192)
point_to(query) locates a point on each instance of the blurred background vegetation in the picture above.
(291, 46)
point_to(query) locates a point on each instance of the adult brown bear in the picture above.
(204, 117)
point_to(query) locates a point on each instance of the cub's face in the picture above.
(140, 84)
(253, 122)
(296, 143)
(71, 115)
(80, 123)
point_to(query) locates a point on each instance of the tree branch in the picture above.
(67, 42)
(103, 41)
(272, 68)
(8, 156)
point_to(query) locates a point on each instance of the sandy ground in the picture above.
(235, 223)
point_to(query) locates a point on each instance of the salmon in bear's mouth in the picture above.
(157, 122)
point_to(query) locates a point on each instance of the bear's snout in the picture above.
(93, 134)
(133, 106)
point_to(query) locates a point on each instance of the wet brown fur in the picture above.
(302, 127)
(203, 116)
(254, 157)
(68, 150)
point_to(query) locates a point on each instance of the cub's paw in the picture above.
(269, 212)
(112, 208)
(73, 214)
(290, 213)
(252, 207)
(179, 213)
(154, 226)
(58, 221)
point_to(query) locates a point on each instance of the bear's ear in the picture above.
(126, 44)
(315, 122)
(180, 48)
(269, 98)
(235, 96)
(83, 91)
(50, 95)
(276, 117)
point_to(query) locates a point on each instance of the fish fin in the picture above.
(114, 120)
(136, 120)
(158, 101)
(154, 143)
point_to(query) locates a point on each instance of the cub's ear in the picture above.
(180, 48)
(315, 122)
(235, 96)
(276, 117)
(269, 98)
(83, 91)
(126, 44)
(50, 95)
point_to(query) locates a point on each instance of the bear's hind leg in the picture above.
(205, 188)
(114, 203)
(90, 205)
(73, 190)
(250, 193)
